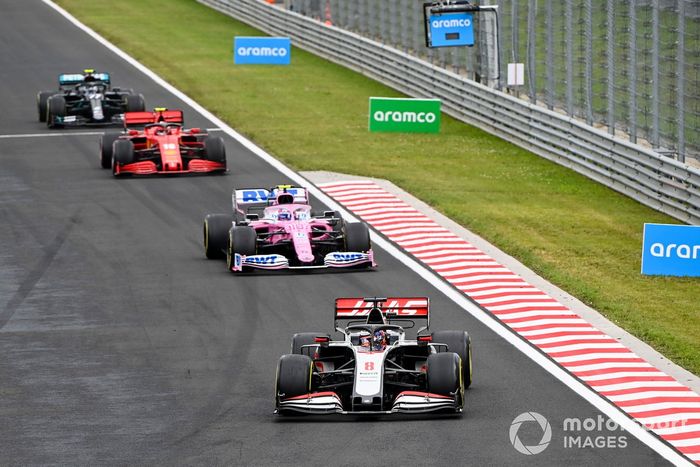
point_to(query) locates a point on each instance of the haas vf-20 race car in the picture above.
(162, 146)
(375, 368)
(276, 229)
(86, 99)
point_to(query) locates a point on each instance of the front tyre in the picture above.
(293, 376)
(56, 111)
(214, 149)
(444, 372)
(460, 343)
(106, 142)
(241, 240)
(216, 227)
(122, 154)
(357, 237)
(42, 104)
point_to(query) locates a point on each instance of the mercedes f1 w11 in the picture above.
(161, 147)
(276, 229)
(375, 368)
(86, 99)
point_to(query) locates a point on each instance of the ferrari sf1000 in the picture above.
(161, 147)
(375, 368)
(86, 99)
(276, 229)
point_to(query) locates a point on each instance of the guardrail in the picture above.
(654, 180)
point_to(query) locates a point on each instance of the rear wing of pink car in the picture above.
(247, 199)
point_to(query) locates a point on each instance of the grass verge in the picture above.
(312, 115)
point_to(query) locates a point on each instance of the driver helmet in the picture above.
(380, 340)
(365, 340)
(284, 215)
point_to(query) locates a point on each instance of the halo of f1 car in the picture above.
(162, 146)
(86, 99)
(276, 229)
(375, 368)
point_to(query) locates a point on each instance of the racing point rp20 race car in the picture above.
(162, 146)
(375, 368)
(86, 99)
(276, 229)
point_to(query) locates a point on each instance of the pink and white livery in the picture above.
(276, 229)
(375, 369)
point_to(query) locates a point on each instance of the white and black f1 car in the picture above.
(375, 369)
(86, 99)
(276, 229)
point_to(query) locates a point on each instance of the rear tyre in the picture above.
(304, 338)
(55, 108)
(42, 103)
(357, 237)
(293, 376)
(459, 343)
(241, 240)
(135, 102)
(216, 227)
(214, 149)
(106, 142)
(122, 154)
(444, 374)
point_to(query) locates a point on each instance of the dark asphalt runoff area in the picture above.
(120, 344)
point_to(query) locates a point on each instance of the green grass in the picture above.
(313, 116)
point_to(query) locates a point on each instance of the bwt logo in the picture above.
(347, 256)
(262, 259)
(451, 23)
(262, 52)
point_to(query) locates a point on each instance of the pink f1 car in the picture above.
(376, 368)
(276, 229)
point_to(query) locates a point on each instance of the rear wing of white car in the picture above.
(387, 309)
(247, 199)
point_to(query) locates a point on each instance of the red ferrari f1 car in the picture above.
(162, 146)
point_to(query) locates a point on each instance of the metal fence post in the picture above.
(680, 100)
(531, 46)
(655, 75)
(588, 74)
(549, 56)
(632, 73)
(611, 66)
(569, 20)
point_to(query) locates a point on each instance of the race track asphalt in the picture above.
(121, 344)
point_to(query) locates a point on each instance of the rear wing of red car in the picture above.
(391, 308)
(157, 116)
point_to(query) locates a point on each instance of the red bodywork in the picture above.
(164, 147)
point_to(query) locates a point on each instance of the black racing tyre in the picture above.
(55, 107)
(357, 237)
(444, 373)
(304, 338)
(241, 240)
(122, 154)
(106, 143)
(42, 103)
(214, 149)
(460, 343)
(135, 102)
(293, 376)
(216, 227)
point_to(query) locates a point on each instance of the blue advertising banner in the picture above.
(671, 250)
(451, 29)
(261, 50)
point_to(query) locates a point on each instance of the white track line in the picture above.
(457, 297)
